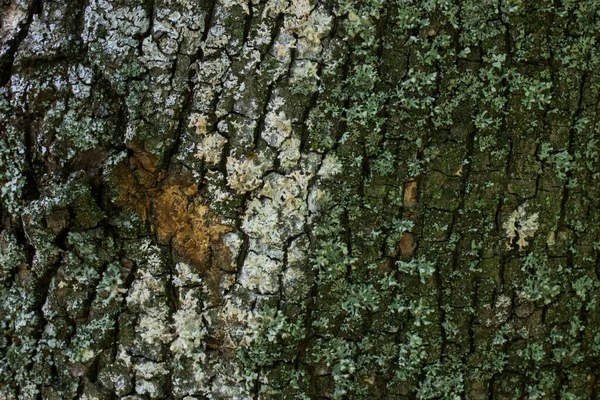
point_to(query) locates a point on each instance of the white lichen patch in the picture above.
(215, 182)
(245, 174)
(120, 24)
(210, 148)
(189, 328)
(281, 211)
(147, 295)
(308, 23)
(330, 167)
(235, 315)
(215, 41)
(287, 192)
(278, 128)
(289, 152)
(260, 273)
(146, 374)
(189, 325)
(153, 327)
(279, 134)
(213, 72)
(262, 222)
(283, 46)
(305, 77)
(520, 225)
(185, 275)
(141, 291)
(311, 29)
(199, 122)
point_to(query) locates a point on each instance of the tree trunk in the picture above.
(378, 199)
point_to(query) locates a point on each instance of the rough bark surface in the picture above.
(267, 199)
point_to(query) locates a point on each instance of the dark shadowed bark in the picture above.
(267, 199)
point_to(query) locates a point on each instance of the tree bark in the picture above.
(379, 199)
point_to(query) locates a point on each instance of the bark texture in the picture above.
(268, 199)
